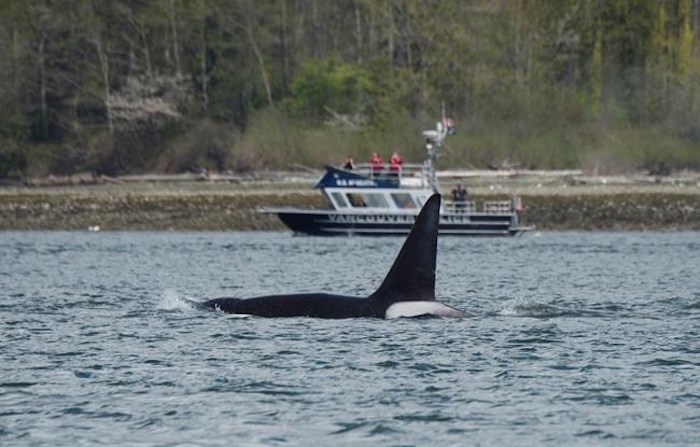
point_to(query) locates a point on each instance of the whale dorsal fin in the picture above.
(412, 276)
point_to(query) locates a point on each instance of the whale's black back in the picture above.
(411, 278)
(318, 305)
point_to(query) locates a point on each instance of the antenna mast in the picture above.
(435, 143)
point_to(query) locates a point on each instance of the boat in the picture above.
(366, 201)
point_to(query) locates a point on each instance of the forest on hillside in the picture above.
(126, 86)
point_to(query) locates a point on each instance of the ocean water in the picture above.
(574, 339)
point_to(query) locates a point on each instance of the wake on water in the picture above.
(171, 300)
(520, 307)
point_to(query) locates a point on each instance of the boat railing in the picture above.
(498, 207)
(460, 207)
(409, 174)
(491, 207)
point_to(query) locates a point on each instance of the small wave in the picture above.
(595, 434)
(431, 417)
(666, 362)
(17, 384)
(238, 316)
(346, 427)
(372, 429)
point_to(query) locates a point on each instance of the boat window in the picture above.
(340, 200)
(367, 200)
(404, 201)
(356, 200)
(375, 201)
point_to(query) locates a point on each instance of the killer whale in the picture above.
(408, 290)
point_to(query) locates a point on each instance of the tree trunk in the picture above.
(261, 63)
(173, 29)
(285, 50)
(146, 53)
(358, 32)
(42, 81)
(104, 69)
(203, 62)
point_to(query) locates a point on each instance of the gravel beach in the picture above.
(553, 201)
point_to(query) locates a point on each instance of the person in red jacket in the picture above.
(395, 164)
(376, 164)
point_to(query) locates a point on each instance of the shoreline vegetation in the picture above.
(172, 86)
(554, 200)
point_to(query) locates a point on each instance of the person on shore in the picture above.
(459, 197)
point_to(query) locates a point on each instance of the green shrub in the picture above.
(330, 87)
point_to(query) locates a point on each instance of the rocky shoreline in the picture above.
(204, 206)
(146, 212)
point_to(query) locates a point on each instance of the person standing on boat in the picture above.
(459, 197)
(349, 164)
(376, 164)
(395, 164)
